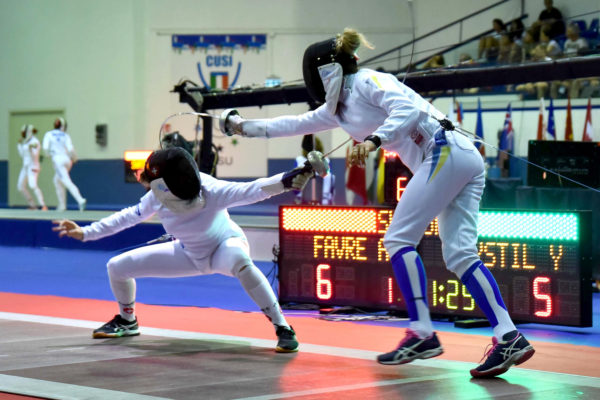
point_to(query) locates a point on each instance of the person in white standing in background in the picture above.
(57, 144)
(29, 150)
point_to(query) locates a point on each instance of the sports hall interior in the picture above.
(121, 73)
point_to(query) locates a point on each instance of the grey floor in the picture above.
(63, 362)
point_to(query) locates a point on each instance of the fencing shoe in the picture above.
(286, 340)
(411, 348)
(117, 327)
(503, 355)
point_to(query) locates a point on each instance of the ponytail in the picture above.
(350, 40)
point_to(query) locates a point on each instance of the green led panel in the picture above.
(529, 225)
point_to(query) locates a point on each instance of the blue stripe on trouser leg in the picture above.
(410, 275)
(484, 289)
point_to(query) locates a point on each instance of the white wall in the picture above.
(71, 55)
(103, 61)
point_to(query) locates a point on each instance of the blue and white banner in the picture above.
(225, 62)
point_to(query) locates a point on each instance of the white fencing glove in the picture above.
(231, 123)
(297, 178)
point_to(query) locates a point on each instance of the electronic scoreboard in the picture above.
(334, 256)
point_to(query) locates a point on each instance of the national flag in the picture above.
(479, 129)
(381, 177)
(588, 131)
(551, 129)
(541, 125)
(569, 123)
(459, 113)
(507, 136)
(357, 178)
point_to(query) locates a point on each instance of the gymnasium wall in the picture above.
(107, 63)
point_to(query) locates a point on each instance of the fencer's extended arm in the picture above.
(288, 125)
(122, 220)
(231, 194)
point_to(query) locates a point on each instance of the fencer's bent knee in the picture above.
(115, 269)
(393, 245)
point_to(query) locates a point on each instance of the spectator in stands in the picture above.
(552, 17)
(465, 59)
(572, 46)
(437, 61)
(516, 30)
(574, 43)
(510, 52)
(530, 41)
(546, 50)
(490, 45)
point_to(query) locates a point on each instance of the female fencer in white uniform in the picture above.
(58, 145)
(448, 180)
(192, 206)
(29, 150)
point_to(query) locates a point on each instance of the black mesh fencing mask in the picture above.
(178, 170)
(322, 53)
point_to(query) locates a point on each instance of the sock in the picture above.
(484, 289)
(127, 311)
(410, 275)
(124, 292)
(258, 288)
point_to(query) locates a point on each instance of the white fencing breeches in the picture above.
(63, 182)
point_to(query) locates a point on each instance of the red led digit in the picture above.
(324, 286)
(400, 186)
(390, 291)
(543, 297)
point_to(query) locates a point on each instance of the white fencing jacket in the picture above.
(370, 103)
(201, 229)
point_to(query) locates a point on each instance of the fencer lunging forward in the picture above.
(57, 144)
(192, 206)
(448, 180)
(29, 150)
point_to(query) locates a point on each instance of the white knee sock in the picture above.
(256, 285)
(124, 292)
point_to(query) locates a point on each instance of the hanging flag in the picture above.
(551, 127)
(541, 125)
(479, 130)
(507, 135)
(569, 123)
(588, 131)
(356, 180)
(380, 189)
(459, 113)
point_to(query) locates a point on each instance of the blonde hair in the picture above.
(350, 40)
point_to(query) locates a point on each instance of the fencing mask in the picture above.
(174, 179)
(319, 54)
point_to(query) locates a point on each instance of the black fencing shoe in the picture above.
(117, 327)
(411, 348)
(514, 349)
(286, 340)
